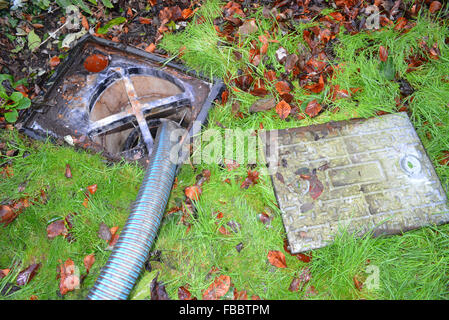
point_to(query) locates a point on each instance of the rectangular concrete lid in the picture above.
(359, 175)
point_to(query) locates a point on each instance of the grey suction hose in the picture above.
(118, 276)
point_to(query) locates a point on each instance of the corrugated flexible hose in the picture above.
(118, 276)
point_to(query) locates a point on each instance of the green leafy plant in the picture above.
(11, 103)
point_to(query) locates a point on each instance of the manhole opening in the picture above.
(103, 109)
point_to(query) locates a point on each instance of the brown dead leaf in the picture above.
(84, 23)
(68, 171)
(69, 281)
(251, 179)
(143, 20)
(383, 53)
(56, 228)
(313, 108)
(184, 293)
(7, 215)
(283, 109)
(435, 6)
(89, 260)
(218, 288)
(263, 105)
(277, 259)
(282, 87)
(248, 27)
(240, 295)
(104, 232)
(25, 276)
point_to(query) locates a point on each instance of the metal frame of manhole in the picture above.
(55, 118)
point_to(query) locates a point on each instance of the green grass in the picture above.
(42, 166)
(411, 266)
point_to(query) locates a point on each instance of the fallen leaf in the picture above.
(282, 87)
(104, 232)
(231, 164)
(313, 108)
(299, 282)
(84, 23)
(3, 273)
(184, 294)
(263, 105)
(54, 61)
(248, 27)
(96, 62)
(277, 259)
(435, 6)
(89, 260)
(158, 291)
(290, 62)
(239, 247)
(186, 13)
(283, 109)
(218, 288)
(251, 179)
(68, 171)
(7, 215)
(315, 187)
(264, 218)
(56, 228)
(383, 54)
(150, 48)
(316, 87)
(25, 276)
(69, 281)
(193, 192)
(92, 189)
(358, 284)
(240, 295)
(143, 20)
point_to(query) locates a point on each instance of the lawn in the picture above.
(221, 234)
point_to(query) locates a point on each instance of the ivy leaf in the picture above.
(104, 29)
(107, 4)
(11, 116)
(24, 103)
(33, 40)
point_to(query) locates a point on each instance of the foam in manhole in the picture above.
(358, 175)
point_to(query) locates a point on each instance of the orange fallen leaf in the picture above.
(282, 87)
(383, 53)
(84, 22)
(218, 288)
(186, 13)
(277, 259)
(435, 6)
(143, 20)
(69, 281)
(283, 109)
(193, 192)
(89, 260)
(150, 48)
(313, 108)
(92, 189)
(54, 61)
(96, 62)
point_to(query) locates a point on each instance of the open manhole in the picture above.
(361, 175)
(103, 109)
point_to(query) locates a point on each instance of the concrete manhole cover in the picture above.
(360, 174)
